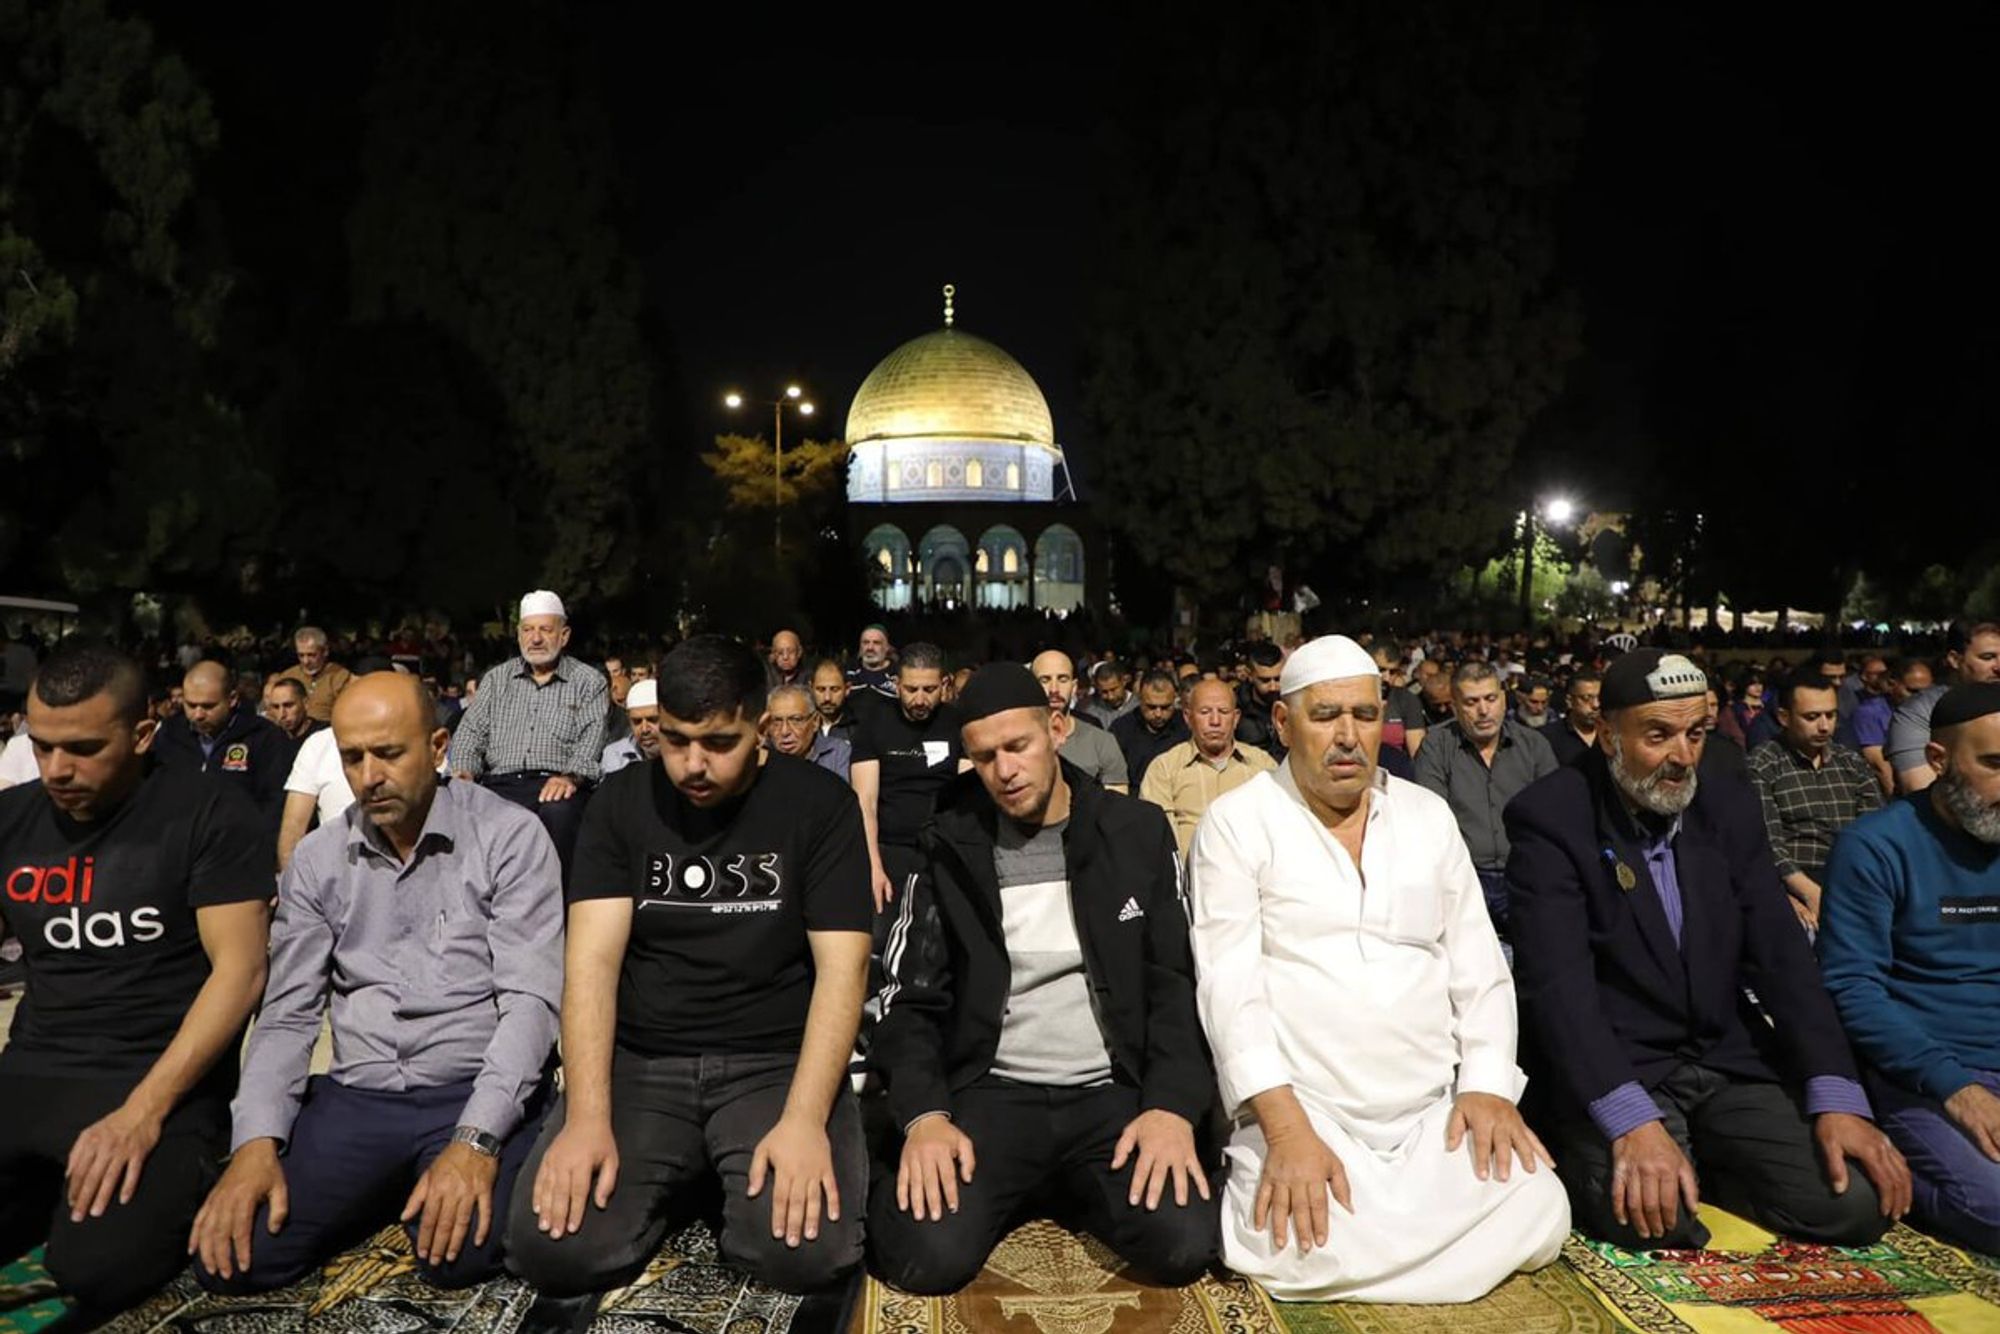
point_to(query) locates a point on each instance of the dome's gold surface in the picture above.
(952, 385)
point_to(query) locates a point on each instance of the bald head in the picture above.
(385, 726)
(1057, 674)
(1212, 715)
(205, 697)
(786, 651)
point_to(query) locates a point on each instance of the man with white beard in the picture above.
(1362, 1021)
(534, 732)
(1646, 906)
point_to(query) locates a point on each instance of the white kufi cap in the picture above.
(1328, 658)
(541, 602)
(643, 695)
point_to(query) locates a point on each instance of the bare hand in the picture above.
(1977, 1113)
(221, 1234)
(1841, 1137)
(1164, 1143)
(937, 1156)
(106, 1160)
(1498, 1135)
(1805, 901)
(457, 1186)
(1650, 1179)
(582, 1163)
(798, 1157)
(1299, 1172)
(885, 890)
(560, 787)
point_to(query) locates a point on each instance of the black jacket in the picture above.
(1141, 746)
(949, 976)
(1606, 995)
(252, 755)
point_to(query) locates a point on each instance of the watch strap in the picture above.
(479, 1141)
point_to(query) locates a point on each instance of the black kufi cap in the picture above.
(1647, 675)
(998, 687)
(1961, 704)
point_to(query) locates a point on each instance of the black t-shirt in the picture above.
(718, 959)
(106, 916)
(917, 760)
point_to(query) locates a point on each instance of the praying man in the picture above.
(1362, 1020)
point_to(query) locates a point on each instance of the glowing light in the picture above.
(732, 400)
(1559, 510)
(793, 391)
(806, 409)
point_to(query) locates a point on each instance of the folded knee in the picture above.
(1178, 1253)
(567, 1268)
(109, 1282)
(1852, 1219)
(807, 1267)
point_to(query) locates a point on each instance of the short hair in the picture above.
(82, 669)
(1983, 628)
(309, 634)
(771, 699)
(825, 663)
(1789, 688)
(290, 683)
(1536, 683)
(921, 657)
(712, 674)
(1156, 677)
(1263, 653)
(1827, 657)
(1474, 669)
(1584, 678)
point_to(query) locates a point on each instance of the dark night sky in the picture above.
(1760, 208)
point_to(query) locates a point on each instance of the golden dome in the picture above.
(949, 385)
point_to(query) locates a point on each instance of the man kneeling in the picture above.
(1039, 1026)
(1362, 1019)
(429, 920)
(719, 925)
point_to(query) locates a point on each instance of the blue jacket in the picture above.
(1607, 996)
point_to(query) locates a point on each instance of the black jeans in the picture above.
(1753, 1152)
(1035, 1146)
(677, 1119)
(563, 819)
(353, 1158)
(115, 1261)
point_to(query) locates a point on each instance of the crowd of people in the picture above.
(1365, 968)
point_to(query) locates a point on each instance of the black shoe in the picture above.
(561, 1315)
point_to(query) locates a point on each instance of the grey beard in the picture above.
(1974, 816)
(1646, 791)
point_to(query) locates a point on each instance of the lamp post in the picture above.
(793, 397)
(1557, 511)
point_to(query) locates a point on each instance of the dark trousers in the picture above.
(117, 1260)
(353, 1158)
(677, 1120)
(1753, 1152)
(1955, 1188)
(561, 818)
(1038, 1146)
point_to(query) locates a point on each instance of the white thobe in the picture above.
(1378, 996)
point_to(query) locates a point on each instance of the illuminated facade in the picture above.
(957, 492)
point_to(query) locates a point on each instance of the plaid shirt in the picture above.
(515, 726)
(1804, 807)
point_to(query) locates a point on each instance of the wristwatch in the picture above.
(477, 1140)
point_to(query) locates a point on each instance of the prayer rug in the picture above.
(375, 1287)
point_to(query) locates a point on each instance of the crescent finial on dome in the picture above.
(949, 293)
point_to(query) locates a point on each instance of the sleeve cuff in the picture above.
(1787, 868)
(491, 1111)
(1490, 1072)
(272, 1124)
(1250, 1073)
(924, 1116)
(1624, 1110)
(1836, 1093)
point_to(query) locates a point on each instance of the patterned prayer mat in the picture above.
(686, 1290)
(1045, 1280)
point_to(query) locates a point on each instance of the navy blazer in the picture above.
(1606, 995)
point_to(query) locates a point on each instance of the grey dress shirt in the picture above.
(516, 726)
(1450, 766)
(444, 970)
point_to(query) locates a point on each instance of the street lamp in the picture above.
(793, 397)
(1555, 511)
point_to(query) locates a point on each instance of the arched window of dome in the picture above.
(934, 474)
(1010, 561)
(975, 475)
(979, 564)
(887, 561)
(1013, 477)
